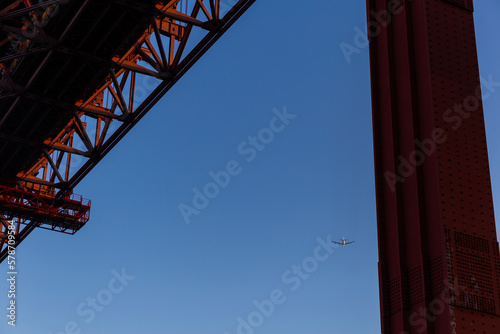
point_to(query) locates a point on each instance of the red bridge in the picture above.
(66, 213)
(70, 76)
(71, 72)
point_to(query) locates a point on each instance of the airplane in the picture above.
(343, 242)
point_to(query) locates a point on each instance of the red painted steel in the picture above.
(76, 77)
(69, 211)
(438, 253)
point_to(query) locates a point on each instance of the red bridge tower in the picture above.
(438, 252)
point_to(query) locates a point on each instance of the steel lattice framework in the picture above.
(50, 47)
(77, 75)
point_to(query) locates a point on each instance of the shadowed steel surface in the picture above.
(438, 252)
(71, 72)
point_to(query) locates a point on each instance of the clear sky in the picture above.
(279, 73)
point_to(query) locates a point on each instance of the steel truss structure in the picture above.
(168, 39)
(77, 75)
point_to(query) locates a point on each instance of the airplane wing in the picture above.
(338, 243)
(351, 242)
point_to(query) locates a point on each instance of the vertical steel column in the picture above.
(439, 262)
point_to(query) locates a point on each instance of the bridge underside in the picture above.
(71, 72)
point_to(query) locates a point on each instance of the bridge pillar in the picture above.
(439, 263)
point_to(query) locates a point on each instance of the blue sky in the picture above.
(312, 180)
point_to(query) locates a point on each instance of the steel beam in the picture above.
(439, 261)
(166, 61)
